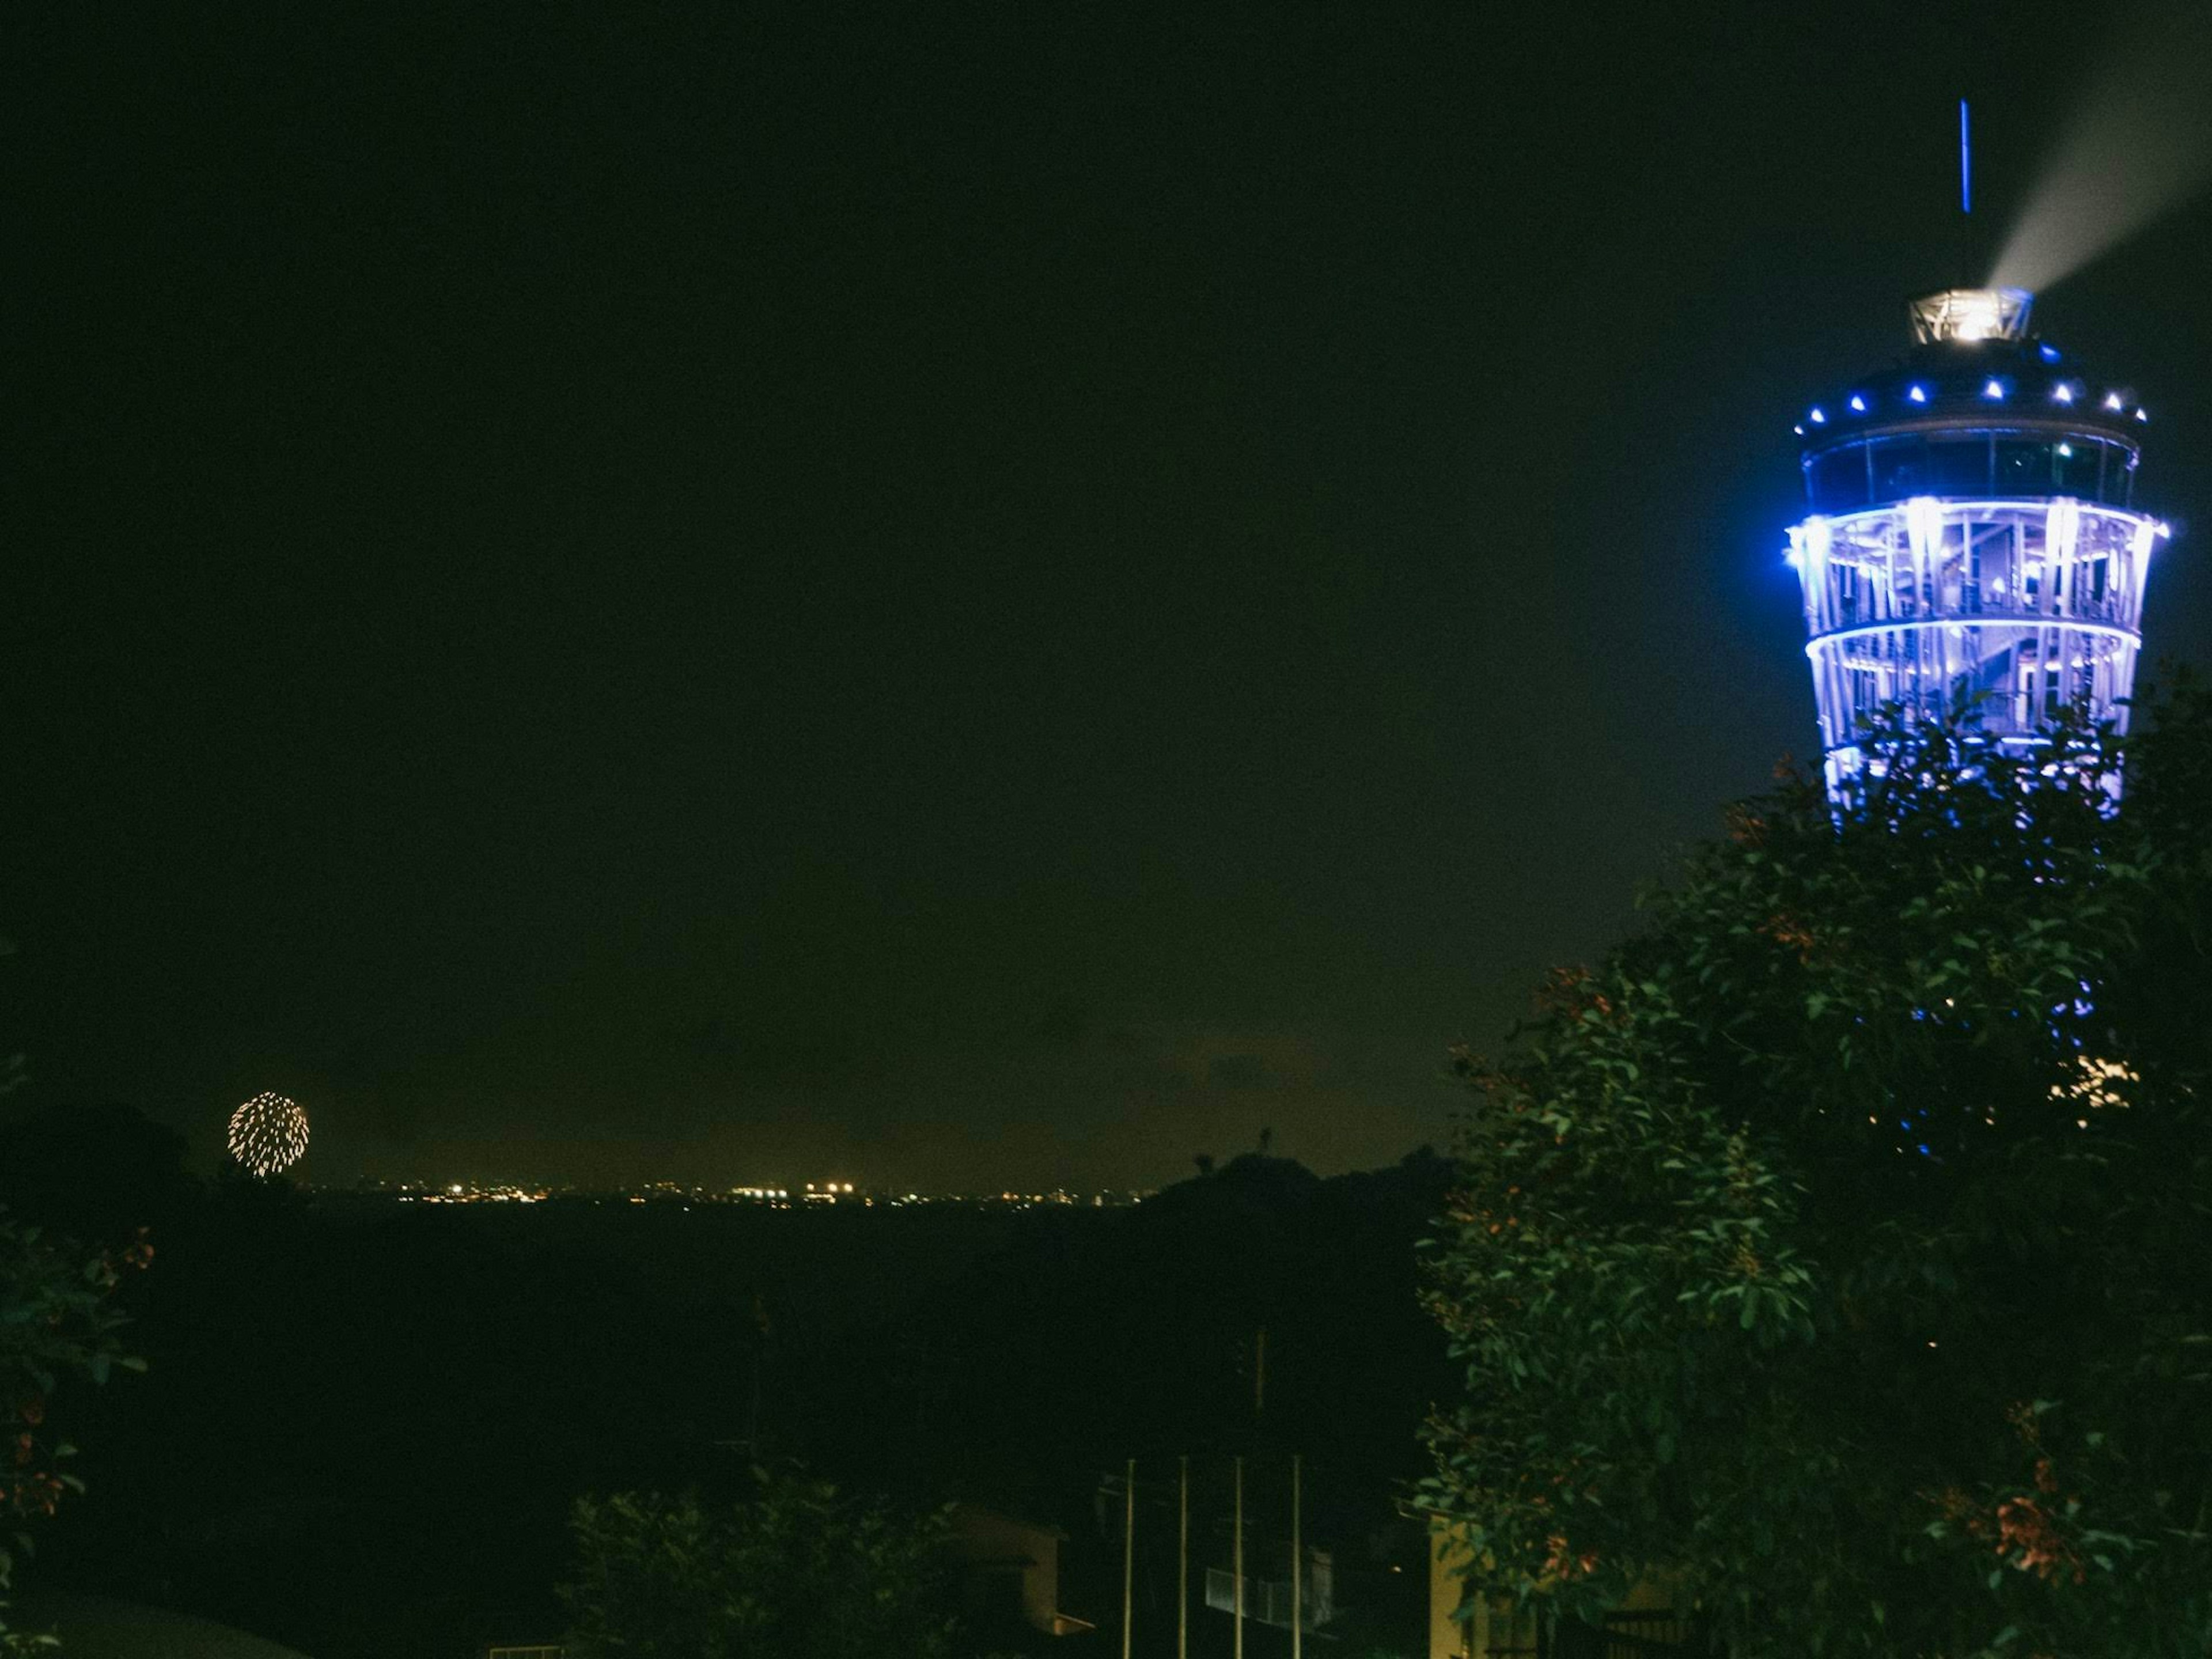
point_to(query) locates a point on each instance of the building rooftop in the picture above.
(93, 1627)
(1973, 357)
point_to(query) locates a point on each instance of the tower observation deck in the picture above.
(1974, 544)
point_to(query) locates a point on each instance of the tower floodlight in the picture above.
(1972, 313)
(1974, 542)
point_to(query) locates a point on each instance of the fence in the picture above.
(1658, 1633)
(1267, 1600)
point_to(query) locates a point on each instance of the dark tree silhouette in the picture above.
(96, 1171)
(1832, 1255)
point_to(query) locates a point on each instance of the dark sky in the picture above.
(946, 595)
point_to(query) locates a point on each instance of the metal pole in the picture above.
(761, 1330)
(1297, 1565)
(1182, 1563)
(1236, 1563)
(1129, 1551)
(752, 1425)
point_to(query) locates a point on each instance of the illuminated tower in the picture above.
(1974, 543)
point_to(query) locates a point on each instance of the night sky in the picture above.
(955, 596)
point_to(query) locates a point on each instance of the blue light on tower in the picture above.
(1974, 543)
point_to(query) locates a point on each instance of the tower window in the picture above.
(1900, 468)
(1958, 465)
(2025, 467)
(1839, 480)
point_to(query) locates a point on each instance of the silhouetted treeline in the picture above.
(365, 1420)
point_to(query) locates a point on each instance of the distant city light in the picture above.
(772, 1198)
(268, 1134)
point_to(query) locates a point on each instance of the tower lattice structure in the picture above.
(1973, 545)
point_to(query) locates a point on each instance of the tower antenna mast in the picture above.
(1965, 163)
(1965, 255)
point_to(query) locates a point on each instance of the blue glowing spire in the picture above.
(1965, 164)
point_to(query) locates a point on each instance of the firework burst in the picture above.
(268, 1134)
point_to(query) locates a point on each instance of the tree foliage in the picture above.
(1834, 1255)
(795, 1571)
(58, 1324)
